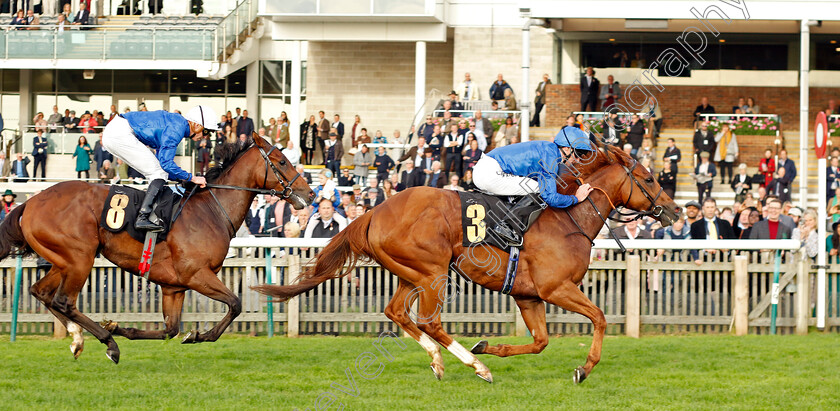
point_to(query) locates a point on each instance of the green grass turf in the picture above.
(656, 372)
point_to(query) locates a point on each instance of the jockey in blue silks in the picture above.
(129, 136)
(533, 167)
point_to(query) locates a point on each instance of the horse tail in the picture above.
(351, 243)
(11, 235)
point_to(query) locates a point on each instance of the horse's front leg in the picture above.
(533, 312)
(172, 304)
(205, 282)
(569, 297)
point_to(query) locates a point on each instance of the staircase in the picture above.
(687, 189)
(117, 21)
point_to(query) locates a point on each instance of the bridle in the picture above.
(285, 193)
(653, 210)
(285, 182)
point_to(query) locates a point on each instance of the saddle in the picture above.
(482, 214)
(123, 203)
(500, 222)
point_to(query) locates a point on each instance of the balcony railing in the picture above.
(61, 141)
(235, 28)
(189, 42)
(342, 7)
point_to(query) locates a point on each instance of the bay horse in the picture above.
(417, 234)
(61, 224)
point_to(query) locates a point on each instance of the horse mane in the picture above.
(228, 154)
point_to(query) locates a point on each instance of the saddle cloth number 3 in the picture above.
(116, 214)
(476, 230)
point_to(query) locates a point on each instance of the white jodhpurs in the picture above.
(118, 138)
(488, 176)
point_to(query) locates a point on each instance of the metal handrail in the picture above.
(729, 115)
(483, 112)
(122, 27)
(600, 114)
(234, 14)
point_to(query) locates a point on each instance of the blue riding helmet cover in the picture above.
(573, 137)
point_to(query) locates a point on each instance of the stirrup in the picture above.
(503, 231)
(144, 224)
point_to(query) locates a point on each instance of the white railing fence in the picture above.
(655, 288)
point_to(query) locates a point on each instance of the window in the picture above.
(737, 56)
(276, 87)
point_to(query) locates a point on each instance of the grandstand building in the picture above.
(390, 61)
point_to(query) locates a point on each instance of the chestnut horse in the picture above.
(61, 224)
(417, 234)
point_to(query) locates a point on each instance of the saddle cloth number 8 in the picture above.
(116, 214)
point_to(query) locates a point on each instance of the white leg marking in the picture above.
(75, 331)
(428, 344)
(459, 351)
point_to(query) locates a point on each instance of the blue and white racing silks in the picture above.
(162, 131)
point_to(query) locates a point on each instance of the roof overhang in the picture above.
(359, 31)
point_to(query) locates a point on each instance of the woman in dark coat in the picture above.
(308, 136)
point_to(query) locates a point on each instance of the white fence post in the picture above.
(293, 305)
(632, 320)
(520, 329)
(740, 311)
(803, 297)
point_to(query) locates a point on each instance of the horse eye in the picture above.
(649, 180)
(282, 162)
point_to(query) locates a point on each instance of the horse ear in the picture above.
(259, 141)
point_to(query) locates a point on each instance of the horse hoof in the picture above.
(190, 338)
(109, 325)
(479, 347)
(437, 371)
(113, 355)
(76, 349)
(485, 375)
(579, 375)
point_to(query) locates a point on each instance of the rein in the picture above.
(284, 194)
(654, 210)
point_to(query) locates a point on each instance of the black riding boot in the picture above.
(143, 222)
(519, 218)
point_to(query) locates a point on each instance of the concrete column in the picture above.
(525, 116)
(26, 103)
(419, 76)
(570, 62)
(741, 300)
(294, 110)
(804, 70)
(252, 87)
(632, 322)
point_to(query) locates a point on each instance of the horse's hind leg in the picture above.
(205, 282)
(74, 276)
(571, 298)
(429, 322)
(44, 290)
(172, 303)
(397, 312)
(533, 312)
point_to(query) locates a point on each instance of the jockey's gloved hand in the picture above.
(187, 184)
